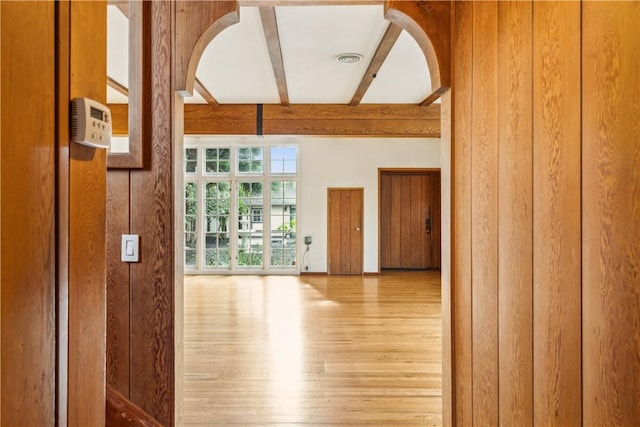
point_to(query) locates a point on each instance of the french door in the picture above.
(240, 209)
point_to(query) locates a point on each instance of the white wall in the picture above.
(352, 162)
(327, 162)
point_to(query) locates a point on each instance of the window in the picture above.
(190, 223)
(217, 160)
(191, 160)
(283, 160)
(250, 160)
(239, 213)
(256, 215)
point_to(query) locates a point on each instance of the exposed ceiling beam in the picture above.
(274, 3)
(204, 92)
(386, 44)
(434, 95)
(116, 85)
(270, 28)
(367, 120)
(123, 5)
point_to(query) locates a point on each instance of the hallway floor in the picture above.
(313, 350)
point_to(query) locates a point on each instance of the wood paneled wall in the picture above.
(27, 203)
(611, 213)
(140, 341)
(53, 217)
(87, 201)
(546, 213)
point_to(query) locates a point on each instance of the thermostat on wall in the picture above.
(90, 123)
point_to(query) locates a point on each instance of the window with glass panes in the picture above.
(240, 206)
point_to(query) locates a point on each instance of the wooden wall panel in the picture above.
(152, 207)
(556, 217)
(515, 215)
(87, 207)
(611, 213)
(27, 221)
(118, 287)
(484, 199)
(461, 212)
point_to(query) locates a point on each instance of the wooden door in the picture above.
(345, 230)
(410, 219)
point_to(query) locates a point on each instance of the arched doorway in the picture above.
(413, 17)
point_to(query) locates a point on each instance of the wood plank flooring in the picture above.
(313, 350)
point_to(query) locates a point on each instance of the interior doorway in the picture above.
(409, 218)
(344, 229)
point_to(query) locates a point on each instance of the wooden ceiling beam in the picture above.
(366, 120)
(270, 28)
(382, 51)
(117, 86)
(204, 92)
(434, 95)
(275, 3)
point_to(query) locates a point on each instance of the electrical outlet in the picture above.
(307, 240)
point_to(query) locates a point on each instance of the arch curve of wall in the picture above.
(428, 22)
(197, 24)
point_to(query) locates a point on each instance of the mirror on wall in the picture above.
(126, 88)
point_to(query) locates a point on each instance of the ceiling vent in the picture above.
(349, 58)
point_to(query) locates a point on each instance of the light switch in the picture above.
(130, 247)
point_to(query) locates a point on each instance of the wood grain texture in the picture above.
(345, 242)
(611, 213)
(118, 289)
(429, 24)
(308, 119)
(121, 412)
(556, 216)
(384, 218)
(152, 206)
(461, 280)
(63, 63)
(446, 196)
(196, 24)
(87, 207)
(357, 231)
(484, 198)
(270, 28)
(436, 242)
(396, 204)
(28, 214)
(333, 227)
(202, 90)
(380, 55)
(313, 350)
(515, 216)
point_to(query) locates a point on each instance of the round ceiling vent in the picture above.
(349, 58)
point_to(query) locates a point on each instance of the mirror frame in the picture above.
(139, 105)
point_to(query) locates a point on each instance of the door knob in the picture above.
(427, 224)
(357, 228)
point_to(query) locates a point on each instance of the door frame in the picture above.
(400, 171)
(361, 189)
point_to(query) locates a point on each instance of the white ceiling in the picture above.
(236, 66)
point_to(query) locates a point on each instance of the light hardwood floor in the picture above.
(313, 350)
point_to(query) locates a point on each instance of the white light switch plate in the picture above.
(130, 247)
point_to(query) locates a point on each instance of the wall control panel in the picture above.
(90, 123)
